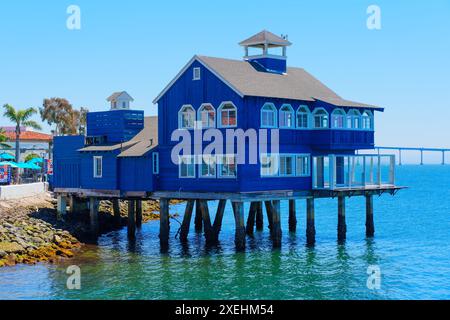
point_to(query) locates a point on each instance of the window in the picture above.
(287, 165)
(227, 166)
(302, 166)
(367, 120)
(186, 117)
(207, 115)
(269, 165)
(303, 117)
(208, 166)
(227, 115)
(287, 117)
(354, 119)
(320, 119)
(155, 162)
(186, 167)
(98, 167)
(268, 116)
(196, 74)
(124, 104)
(338, 119)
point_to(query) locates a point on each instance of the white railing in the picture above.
(353, 171)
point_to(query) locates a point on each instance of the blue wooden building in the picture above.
(311, 138)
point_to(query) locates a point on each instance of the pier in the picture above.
(419, 149)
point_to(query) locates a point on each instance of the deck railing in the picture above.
(353, 171)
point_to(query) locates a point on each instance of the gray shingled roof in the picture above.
(265, 37)
(296, 84)
(108, 147)
(146, 139)
(117, 94)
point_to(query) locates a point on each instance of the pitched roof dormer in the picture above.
(268, 61)
(120, 100)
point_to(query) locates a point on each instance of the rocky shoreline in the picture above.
(30, 231)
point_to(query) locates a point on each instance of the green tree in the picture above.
(60, 113)
(31, 156)
(3, 139)
(20, 118)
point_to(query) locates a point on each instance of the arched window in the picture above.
(207, 115)
(338, 119)
(287, 116)
(320, 118)
(353, 119)
(268, 116)
(303, 116)
(227, 115)
(367, 120)
(186, 117)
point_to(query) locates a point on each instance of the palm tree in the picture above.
(3, 139)
(20, 118)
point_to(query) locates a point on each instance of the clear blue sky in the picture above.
(139, 46)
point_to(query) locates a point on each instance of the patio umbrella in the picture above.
(28, 165)
(12, 164)
(36, 160)
(6, 156)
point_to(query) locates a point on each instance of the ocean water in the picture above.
(411, 248)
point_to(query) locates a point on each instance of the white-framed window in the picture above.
(227, 166)
(207, 167)
(354, 119)
(155, 162)
(268, 116)
(338, 119)
(207, 115)
(320, 117)
(269, 165)
(303, 116)
(186, 166)
(227, 114)
(302, 165)
(196, 75)
(367, 120)
(186, 117)
(287, 165)
(287, 116)
(98, 166)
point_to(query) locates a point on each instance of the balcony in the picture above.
(353, 172)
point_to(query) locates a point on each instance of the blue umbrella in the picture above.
(6, 156)
(36, 160)
(12, 164)
(28, 165)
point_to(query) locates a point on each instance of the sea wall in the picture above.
(22, 190)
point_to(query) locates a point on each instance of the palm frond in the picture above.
(33, 124)
(10, 113)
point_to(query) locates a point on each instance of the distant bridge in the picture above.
(421, 150)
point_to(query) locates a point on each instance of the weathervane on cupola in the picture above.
(268, 61)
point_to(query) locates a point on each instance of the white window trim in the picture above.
(354, 113)
(287, 155)
(219, 115)
(278, 156)
(199, 114)
(372, 122)
(196, 73)
(314, 119)
(95, 158)
(179, 166)
(308, 115)
(200, 165)
(275, 112)
(180, 119)
(292, 112)
(219, 172)
(304, 155)
(155, 158)
(269, 155)
(344, 115)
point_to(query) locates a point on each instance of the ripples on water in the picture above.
(411, 247)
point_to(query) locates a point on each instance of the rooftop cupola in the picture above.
(266, 43)
(120, 100)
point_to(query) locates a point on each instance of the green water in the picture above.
(411, 248)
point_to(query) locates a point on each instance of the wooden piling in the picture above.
(259, 217)
(116, 210)
(186, 220)
(292, 216)
(239, 240)
(276, 223)
(131, 219)
(251, 219)
(310, 224)
(139, 213)
(164, 222)
(269, 213)
(218, 219)
(342, 226)
(61, 206)
(93, 216)
(370, 227)
(198, 218)
(209, 234)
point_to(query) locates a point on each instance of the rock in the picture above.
(11, 247)
(2, 254)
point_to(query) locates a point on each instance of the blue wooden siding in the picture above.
(66, 161)
(136, 174)
(109, 179)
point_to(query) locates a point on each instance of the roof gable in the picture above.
(123, 95)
